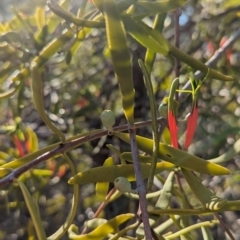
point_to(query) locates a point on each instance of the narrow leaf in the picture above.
(102, 187)
(32, 140)
(143, 159)
(165, 197)
(40, 17)
(177, 156)
(110, 173)
(38, 101)
(69, 17)
(74, 207)
(148, 37)
(150, 55)
(197, 65)
(33, 211)
(206, 233)
(28, 158)
(148, 85)
(160, 6)
(121, 58)
(103, 230)
(204, 195)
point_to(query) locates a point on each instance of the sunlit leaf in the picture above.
(203, 194)
(177, 156)
(165, 197)
(117, 44)
(148, 37)
(103, 230)
(110, 173)
(102, 187)
(160, 6)
(33, 211)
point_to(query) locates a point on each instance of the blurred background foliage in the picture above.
(76, 94)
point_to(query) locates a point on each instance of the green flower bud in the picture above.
(163, 110)
(108, 119)
(123, 185)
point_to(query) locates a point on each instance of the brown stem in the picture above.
(177, 64)
(222, 223)
(140, 183)
(101, 207)
(64, 148)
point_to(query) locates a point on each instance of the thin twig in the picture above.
(177, 65)
(225, 228)
(177, 14)
(211, 62)
(101, 207)
(64, 148)
(140, 183)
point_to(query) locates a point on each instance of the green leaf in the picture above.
(95, 222)
(9, 92)
(74, 207)
(83, 33)
(204, 195)
(148, 37)
(229, 154)
(28, 158)
(117, 152)
(165, 197)
(206, 233)
(150, 55)
(50, 24)
(33, 211)
(102, 187)
(42, 172)
(197, 65)
(177, 156)
(191, 228)
(160, 6)
(69, 17)
(40, 17)
(10, 37)
(103, 230)
(143, 159)
(5, 157)
(38, 101)
(155, 42)
(153, 108)
(32, 140)
(53, 47)
(117, 44)
(5, 171)
(110, 173)
(46, 53)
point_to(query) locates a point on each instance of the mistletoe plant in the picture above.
(149, 158)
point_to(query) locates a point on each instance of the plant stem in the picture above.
(101, 207)
(177, 65)
(225, 228)
(61, 148)
(140, 183)
(211, 62)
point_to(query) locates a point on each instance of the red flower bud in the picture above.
(173, 129)
(191, 126)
